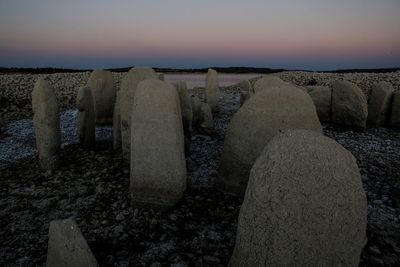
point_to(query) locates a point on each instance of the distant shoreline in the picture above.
(228, 70)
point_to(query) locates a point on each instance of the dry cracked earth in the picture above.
(92, 186)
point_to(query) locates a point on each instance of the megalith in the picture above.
(187, 113)
(212, 90)
(117, 123)
(265, 114)
(102, 84)
(127, 93)
(46, 124)
(394, 121)
(86, 117)
(158, 167)
(322, 98)
(206, 119)
(269, 81)
(196, 110)
(245, 91)
(379, 103)
(349, 104)
(304, 205)
(67, 247)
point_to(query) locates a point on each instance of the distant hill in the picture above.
(199, 70)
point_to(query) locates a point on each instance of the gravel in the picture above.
(92, 187)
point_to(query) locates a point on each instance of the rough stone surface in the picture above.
(245, 91)
(322, 98)
(86, 117)
(196, 110)
(187, 113)
(212, 90)
(67, 246)
(46, 123)
(269, 81)
(158, 168)
(394, 121)
(127, 93)
(102, 84)
(117, 124)
(379, 103)
(349, 105)
(254, 125)
(304, 205)
(206, 121)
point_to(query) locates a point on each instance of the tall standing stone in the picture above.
(304, 205)
(67, 247)
(158, 168)
(269, 81)
(187, 113)
(394, 121)
(379, 104)
(212, 90)
(102, 84)
(264, 115)
(349, 105)
(206, 119)
(46, 124)
(127, 93)
(86, 117)
(117, 124)
(196, 110)
(245, 91)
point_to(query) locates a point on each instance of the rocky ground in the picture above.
(91, 186)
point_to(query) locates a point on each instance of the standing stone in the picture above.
(67, 247)
(245, 91)
(46, 124)
(161, 76)
(117, 124)
(304, 205)
(379, 103)
(206, 119)
(187, 113)
(196, 109)
(349, 104)
(265, 114)
(127, 93)
(212, 90)
(394, 121)
(269, 81)
(86, 117)
(102, 84)
(158, 168)
(322, 98)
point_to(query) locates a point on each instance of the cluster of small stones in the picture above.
(365, 81)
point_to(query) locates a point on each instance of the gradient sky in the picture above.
(292, 34)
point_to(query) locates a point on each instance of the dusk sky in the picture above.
(291, 34)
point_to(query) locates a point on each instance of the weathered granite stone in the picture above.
(67, 247)
(158, 167)
(127, 93)
(265, 114)
(46, 124)
(102, 84)
(86, 117)
(349, 105)
(304, 205)
(379, 104)
(212, 90)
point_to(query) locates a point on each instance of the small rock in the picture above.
(120, 217)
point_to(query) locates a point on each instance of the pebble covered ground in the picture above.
(92, 186)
